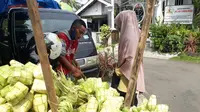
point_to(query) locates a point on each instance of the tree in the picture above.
(196, 21)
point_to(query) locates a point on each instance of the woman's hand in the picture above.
(118, 72)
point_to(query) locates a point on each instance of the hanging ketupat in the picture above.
(2, 100)
(40, 103)
(5, 90)
(26, 104)
(6, 107)
(17, 93)
(39, 86)
(90, 95)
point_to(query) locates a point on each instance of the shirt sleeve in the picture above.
(63, 52)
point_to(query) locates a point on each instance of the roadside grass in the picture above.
(186, 58)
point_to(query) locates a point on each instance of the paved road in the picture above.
(175, 83)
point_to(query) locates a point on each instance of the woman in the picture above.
(127, 25)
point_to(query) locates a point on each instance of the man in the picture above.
(70, 41)
(54, 49)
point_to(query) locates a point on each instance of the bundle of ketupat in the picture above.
(92, 105)
(26, 104)
(150, 106)
(6, 107)
(20, 72)
(5, 90)
(91, 84)
(40, 103)
(82, 108)
(4, 74)
(2, 100)
(17, 93)
(39, 86)
(64, 105)
(37, 72)
(103, 93)
(30, 66)
(112, 104)
(22, 89)
(15, 63)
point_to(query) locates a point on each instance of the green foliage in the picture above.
(105, 31)
(105, 34)
(175, 38)
(196, 21)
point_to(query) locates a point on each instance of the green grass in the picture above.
(186, 58)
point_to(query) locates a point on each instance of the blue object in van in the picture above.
(4, 4)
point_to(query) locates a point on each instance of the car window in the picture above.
(51, 22)
(4, 27)
(86, 37)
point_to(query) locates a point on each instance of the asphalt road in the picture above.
(174, 83)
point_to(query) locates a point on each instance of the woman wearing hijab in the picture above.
(127, 24)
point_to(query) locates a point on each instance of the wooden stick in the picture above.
(42, 51)
(139, 53)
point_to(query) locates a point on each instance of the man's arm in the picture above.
(76, 72)
(75, 63)
(66, 63)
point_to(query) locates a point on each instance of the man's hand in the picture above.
(75, 63)
(77, 73)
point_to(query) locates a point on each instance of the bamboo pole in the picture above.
(139, 53)
(42, 51)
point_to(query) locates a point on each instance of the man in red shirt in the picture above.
(70, 42)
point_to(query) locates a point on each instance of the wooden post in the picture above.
(42, 51)
(139, 53)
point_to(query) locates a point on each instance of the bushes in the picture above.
(105, 33)
(174, 38)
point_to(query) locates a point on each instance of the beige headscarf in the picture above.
(127, 24)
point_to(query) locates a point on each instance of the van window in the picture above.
(4, 28)
(50, 22)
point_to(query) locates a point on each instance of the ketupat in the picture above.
(6, 107)
(40, 103)
(20, 74)
(82, 108)
(16, 63)
(39, 86)
(2, 100)
(162, 108)
(150, 106)
(27, 77)
(4, 74)
(2, 81)
(91, 85)
(102, 94)
(152, 103)
(30, 66)
(134, 109)
(143, 105)
(125, 109)
(26, 104)
(5, 90)
(92, 105)
(65, 106)
(105, 85)
(70, 97)
(112, 104)
(17, 93)
(37, 72)
(82, 97)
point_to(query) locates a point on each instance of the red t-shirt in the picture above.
(71, 47)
